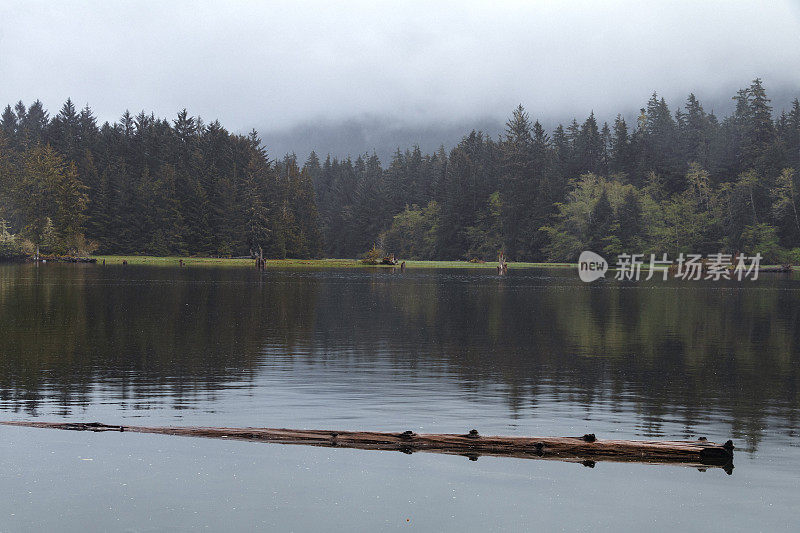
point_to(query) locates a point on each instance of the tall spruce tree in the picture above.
(517, 185)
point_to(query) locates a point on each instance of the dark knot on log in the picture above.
(90, 426)
(589, 437)
(334, 435)
(473, 434)
(539, 446)
(407, 435)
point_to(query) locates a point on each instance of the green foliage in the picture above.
(10, 250)
(680, 225)
(412, 234)
(49, 200)
(629, 222)
(523, 168)
(10, 247)
(308, 241)
(668, 181)
(611, 217)
(485, 238)
(762, 238)
(469, 178)
(601, 223)
(590, 219)
(784, 205)
(144, 185)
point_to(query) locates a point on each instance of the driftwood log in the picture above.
(586, 449)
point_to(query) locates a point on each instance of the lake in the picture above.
(536, 352)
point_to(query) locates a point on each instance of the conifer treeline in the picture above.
(686, 181)
(151, 186)
(682, 181)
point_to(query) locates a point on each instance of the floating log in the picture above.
(586, 449)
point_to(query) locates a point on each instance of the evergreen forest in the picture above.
(670, 181)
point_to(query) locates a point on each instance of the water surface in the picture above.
(536, 352)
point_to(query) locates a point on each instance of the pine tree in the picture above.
(758, 139)
(620, 150)
(64, 131)
(657, 144)
(600, 223)
(8, 177)
(308, 243)
(517, 189)
(50, 199)
(87, 125)
(33, 124)
(463, 194)
(8, 123)
(574, 162)
(791, 137)
(258, 215)
(562, 151)
(629, 222)
(100, 217)
(605, 158)
(589, 148)
(694, 130)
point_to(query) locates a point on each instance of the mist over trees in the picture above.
(675, 181)
(672, 181)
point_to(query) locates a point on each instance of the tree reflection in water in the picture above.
(145, 336)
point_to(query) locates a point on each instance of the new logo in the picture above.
(591, 266)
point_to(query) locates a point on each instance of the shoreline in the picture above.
(139, 260)
(174, 261)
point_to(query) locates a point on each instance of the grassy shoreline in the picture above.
(300, 263)
(173, 261)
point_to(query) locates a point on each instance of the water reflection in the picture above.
(178, 333)
(540, 341)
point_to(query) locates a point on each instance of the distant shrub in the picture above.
(791, 257)
(373, 257)
(10, 250)
(10, 244)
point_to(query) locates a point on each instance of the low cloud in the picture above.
(282, 67)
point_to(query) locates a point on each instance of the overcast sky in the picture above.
(275, 65)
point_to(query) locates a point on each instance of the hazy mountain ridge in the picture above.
(385, 134)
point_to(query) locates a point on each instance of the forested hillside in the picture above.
(671, 181)
(145, 185)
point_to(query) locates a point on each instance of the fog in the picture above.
(373, 76)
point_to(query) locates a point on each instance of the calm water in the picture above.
(534, 353)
